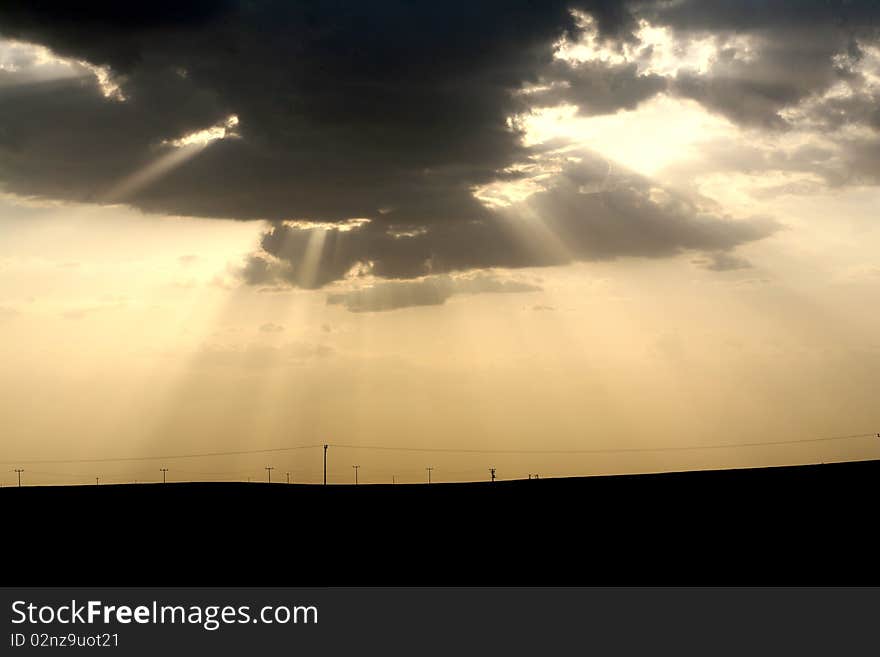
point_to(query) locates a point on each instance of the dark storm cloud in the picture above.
(395, 112)
(860, 107)
(596, 87)
(346, 109)
(790, 66)
(599, 219)
(587, 213)
(754, 15)
(391, 110)
(796, 50)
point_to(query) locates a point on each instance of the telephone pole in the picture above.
(18, 472)
(163, 471)
(288, 477)
(429, 473)
(269, 470)
(356, 468)
(97, 479)
(325, 464)
(492, 472)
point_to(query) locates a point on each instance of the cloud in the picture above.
(269, 327)
(862, 273)
(587, 212)
(813, 164)
(747, 60)
(596, 87)
(429, 291)
(815, 70)
(313, 115)
(722, 261)
(765, 66)
(402, 105)
(7, 312)
(778, 71)
(758, 15)
(810, 76)
(106, 303)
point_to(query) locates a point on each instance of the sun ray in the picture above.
(174, 153)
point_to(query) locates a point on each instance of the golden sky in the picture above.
(130, 332)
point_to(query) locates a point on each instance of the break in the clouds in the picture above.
(367, 132)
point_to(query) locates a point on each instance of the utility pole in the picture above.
(19, 471)
(163, 471)
(356, 468)
(492, 472)
(393, 479)
(269, 470)
(325, 464)
(429, 473)
(288, 477)
(97, 479)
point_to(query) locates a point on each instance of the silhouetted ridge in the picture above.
(801, 524)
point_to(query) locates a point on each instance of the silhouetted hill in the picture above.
(804, 524)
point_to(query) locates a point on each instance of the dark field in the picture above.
(803, 525)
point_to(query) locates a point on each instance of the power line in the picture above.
(238, 473)
(453, 450)
(160, 458)
(666, 448)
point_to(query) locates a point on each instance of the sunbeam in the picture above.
(177, 152)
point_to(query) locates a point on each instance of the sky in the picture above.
(557, 238)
